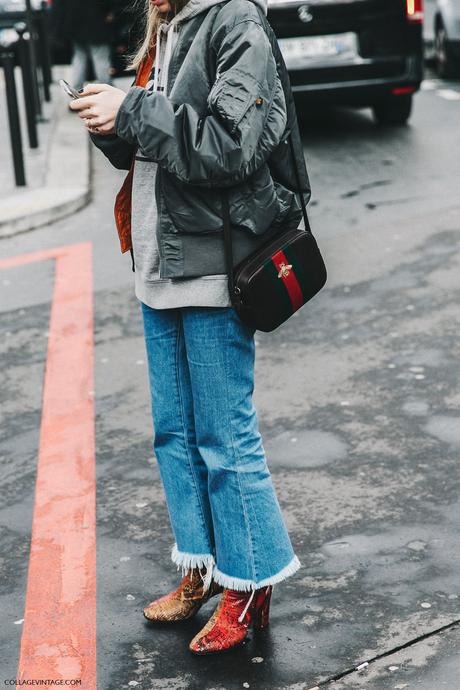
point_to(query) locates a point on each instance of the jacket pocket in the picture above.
(232, 96)
(255, 204)
(192, 209)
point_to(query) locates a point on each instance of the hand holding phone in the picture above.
(98, 106)
(70, 91)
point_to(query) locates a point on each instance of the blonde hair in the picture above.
(152, 19)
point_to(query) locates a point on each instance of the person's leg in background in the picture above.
(184, 474)
(101, 57)
(79, 65)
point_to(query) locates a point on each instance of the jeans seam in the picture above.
(181, 403)
(236, 456)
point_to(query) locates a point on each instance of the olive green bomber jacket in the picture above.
(223, 124)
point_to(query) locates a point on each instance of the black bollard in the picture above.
(7, 60)
(33, 59)
(44, 49)
(27, 84)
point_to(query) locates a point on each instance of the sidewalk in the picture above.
(57, 173)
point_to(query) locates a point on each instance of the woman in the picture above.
(210, 111)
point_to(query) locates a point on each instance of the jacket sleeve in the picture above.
(119, 152)
(244, 120)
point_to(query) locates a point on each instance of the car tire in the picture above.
(447, 66)
(393, 110)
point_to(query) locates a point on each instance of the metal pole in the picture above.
(27, 85)
(44, 49)
(33, 59)
(13, 118)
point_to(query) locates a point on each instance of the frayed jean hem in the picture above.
(245, 585)
(199, 560)
(186, 561)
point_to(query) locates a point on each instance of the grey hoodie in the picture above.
(156, 292)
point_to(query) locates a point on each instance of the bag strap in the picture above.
(228, 241)
(227, 228)
(299, 186)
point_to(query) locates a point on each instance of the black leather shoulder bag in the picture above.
(273, 282)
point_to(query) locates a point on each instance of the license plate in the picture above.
(299, 52)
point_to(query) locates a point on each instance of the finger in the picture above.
(91, 129)
(98, 121)
(108, 128)
(89, 115)
(92, 89)
(81, 103)
(100, 132)
(91, 126)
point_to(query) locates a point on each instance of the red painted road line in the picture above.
(34, 257)
(59, 631)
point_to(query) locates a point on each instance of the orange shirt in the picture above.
(123, 199)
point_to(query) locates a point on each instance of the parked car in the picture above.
(353, 52)
(12, 12)
(447, 38)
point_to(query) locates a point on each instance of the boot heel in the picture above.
(262, 610)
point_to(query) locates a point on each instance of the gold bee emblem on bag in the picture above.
(284, 270)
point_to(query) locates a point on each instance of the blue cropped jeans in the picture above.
(221, 501)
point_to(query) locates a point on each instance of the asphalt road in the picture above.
(358, 400)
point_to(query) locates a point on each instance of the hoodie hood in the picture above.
(168, 32)
(194, 7)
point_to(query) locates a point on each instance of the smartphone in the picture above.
(70, 91)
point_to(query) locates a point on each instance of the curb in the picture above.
(67, 186)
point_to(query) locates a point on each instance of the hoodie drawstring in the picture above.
(163, 57)
(132, 259)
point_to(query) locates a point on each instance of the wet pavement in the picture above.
(358, 401)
